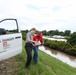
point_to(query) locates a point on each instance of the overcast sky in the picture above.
(41, 14)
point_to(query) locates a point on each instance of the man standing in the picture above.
(29, 46)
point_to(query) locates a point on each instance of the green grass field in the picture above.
(47, 65)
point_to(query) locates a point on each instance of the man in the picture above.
(39, 41)
(29, 46)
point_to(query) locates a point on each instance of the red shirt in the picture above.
(38, 38)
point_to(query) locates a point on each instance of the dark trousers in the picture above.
(28, 48)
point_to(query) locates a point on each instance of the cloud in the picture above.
(33, 7)
(56, 8)
(42, 14)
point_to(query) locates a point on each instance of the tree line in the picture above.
(56, 32)
(67, 47)
(71, 36)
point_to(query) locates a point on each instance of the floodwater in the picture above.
(68, 59)
(54, 39)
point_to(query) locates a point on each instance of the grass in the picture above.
(47, 65)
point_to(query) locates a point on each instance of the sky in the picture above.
(41, 14)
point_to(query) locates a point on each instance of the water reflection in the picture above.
(70, 60)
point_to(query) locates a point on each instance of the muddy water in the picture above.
(68, 59)
(54, 39)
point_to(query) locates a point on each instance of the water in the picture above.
(54, 39)
(68, 59)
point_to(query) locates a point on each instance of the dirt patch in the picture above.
(9, 67)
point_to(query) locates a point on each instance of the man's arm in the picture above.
(30, 40)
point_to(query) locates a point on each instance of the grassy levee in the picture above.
(47, 65)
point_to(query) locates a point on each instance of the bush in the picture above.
(23, 35)
(64, 45)
(53, 45)
(71, 51)
(61, 46)
(47, 43)
(72, 39)
(74, 46)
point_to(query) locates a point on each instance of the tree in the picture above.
(54, 32)
(44, 32)
(61, 33)
(72, 39)
(51, 32)
(67, 33)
